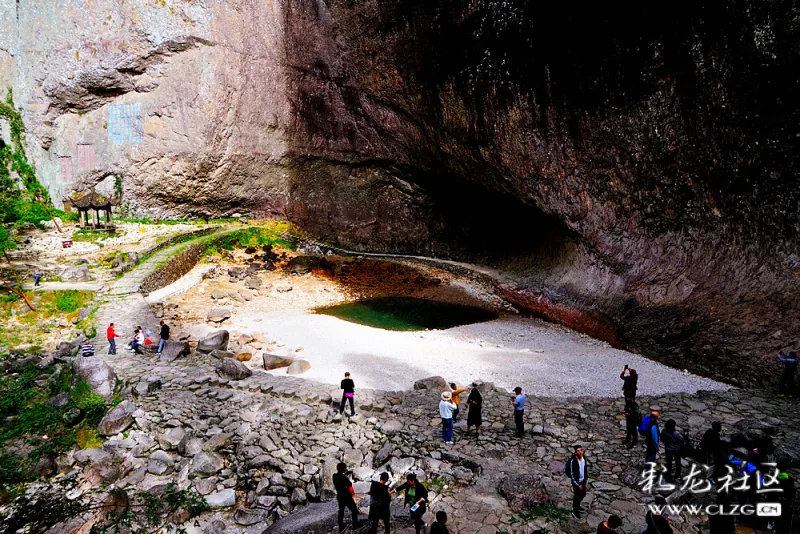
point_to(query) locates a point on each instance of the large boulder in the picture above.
(272, 361)
(206, 464)
(316, 518)
(173, 350)
(432, 382)
(118, 419)
(215, 341)
(233, 369)
(76, 273)
(98, 374)
(298, 367)
(217, 315)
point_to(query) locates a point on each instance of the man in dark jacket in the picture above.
(416, 496)
(440, 525)
(633, 414)
(578, 473)
(379, 507)
(630, 382)
(344, 495)
(711, 443)
(348, 393)
(786, 383)
(164, 335)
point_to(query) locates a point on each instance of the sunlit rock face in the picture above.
(630, 170)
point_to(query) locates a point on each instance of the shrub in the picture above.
(71, 300)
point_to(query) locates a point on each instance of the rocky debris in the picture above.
(173, 350)
(283, 288)
(247, 295)
(218, 294)
(99, 375)
(298, 367)
(215, 341)
(221, 499)
(76, 273)
(146, 387)
(244, 356)
(316, 518)
(59, 401)
(272, 361)
(253, 282)
(218, 315)
(524, 492)
(170, 439)
(190, 445)
(206, 464)
(233, 369)
(160, 463)
(436, 383)
(220, 354)
(117, 419)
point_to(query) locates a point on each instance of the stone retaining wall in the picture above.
(166, 243)
(173, 269)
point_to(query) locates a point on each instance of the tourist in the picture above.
(348, 394)
(657, 523)
(633, 416)
(440, 525)
(456, 396)
(652, 434)
(344, 495)
(610, 525)
(379, 506)
(519, 410)
(37, 276)
(578, 472)
(630, 382)
(446, 408)
(673, 443)
(164, 336)
(416, 496)
(111, 335)
(711, 443)
(786, 383)
(475, 405)
(137, 342)
(87, 349)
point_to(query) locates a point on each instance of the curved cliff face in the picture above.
(638, 163)
(631, 170)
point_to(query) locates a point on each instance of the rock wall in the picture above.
(627, 169)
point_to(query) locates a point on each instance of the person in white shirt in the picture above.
(578, 473)
(446, 409)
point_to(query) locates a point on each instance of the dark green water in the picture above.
(406, 313)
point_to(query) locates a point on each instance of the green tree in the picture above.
(6, 244)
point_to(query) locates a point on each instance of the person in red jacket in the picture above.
(110, 334)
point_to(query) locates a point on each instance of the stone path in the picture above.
(263, 447)
(186, 282)
(63, 286)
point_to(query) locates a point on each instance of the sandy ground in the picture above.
(543, 358)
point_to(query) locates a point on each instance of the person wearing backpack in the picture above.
(633, 416)
(577, 470)
(651, 434)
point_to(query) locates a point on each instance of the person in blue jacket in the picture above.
(652, 437)
(786, 383)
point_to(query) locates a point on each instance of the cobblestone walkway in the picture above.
(269, 443)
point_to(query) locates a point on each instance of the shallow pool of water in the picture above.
(407, 313)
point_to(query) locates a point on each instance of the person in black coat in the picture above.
(440, 525)
(475, 404)
(344, 495)
(380, 499)
(578, 473)
(416, 495)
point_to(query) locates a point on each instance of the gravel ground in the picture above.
(543, 358)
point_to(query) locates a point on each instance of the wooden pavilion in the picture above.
(92, 201)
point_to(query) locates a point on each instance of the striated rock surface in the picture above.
(630, 170)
